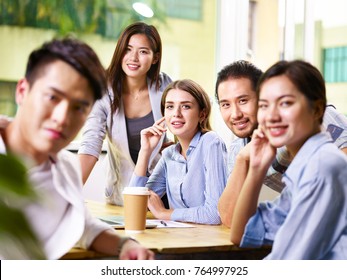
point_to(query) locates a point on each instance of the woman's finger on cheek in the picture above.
(255, 134)
(161, 122)
(260, 132)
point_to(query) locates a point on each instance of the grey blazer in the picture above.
(118, 163)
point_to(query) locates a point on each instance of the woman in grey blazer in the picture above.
(132, 103)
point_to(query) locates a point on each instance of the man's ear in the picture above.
(22, 89)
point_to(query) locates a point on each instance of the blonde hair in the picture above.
(199, 95)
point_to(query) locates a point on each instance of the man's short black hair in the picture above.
(77, 54)
(236, 70)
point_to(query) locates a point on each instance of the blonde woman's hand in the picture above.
(150, 136)
(156, 206)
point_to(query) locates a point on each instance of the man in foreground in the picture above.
(63, 79)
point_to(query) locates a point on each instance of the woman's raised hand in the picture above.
(150, 136)
(262, 153)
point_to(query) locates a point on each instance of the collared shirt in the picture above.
(235, 147)
(309, 219)
(60, 218)
(193, 185)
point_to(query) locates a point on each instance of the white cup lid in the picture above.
(136, 190)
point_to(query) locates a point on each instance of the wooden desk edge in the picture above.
(79, 253)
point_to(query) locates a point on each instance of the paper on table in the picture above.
(169, 224)
(118, 222)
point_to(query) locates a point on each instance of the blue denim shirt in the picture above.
(193, 185)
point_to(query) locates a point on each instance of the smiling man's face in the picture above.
(238, 104)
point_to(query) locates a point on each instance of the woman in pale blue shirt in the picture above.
(308, 220)
(193, 171)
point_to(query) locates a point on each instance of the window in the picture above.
(183, 9)
(335, 64)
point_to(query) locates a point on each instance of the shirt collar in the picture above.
(305, 153)
(195, 140)
(192, 145)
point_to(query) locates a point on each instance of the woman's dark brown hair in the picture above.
(115, 73)
(306, 78)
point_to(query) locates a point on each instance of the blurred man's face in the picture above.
(53, 110)
(238, 104)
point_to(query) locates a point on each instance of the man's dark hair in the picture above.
(236, 70)
(77, 54)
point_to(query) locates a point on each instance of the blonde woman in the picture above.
(193, 171)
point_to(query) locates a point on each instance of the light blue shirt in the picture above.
(235, 147)
(309, 219)
(193, 185)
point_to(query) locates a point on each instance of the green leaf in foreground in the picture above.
(17, 240)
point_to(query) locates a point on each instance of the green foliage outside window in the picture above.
(104, 17)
